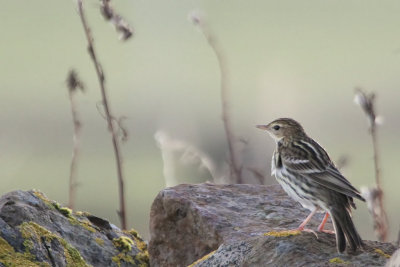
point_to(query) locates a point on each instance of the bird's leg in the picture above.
(297, 230)
(303, 224)
(324, 220)
(321, 226)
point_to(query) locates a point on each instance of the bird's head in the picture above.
(283, 128)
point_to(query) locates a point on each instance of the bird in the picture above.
(308, 175)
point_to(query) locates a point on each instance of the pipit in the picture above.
(307, 174)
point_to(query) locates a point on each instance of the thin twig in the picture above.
(101, 78)
(376, 157)
(374, 195)
(73, 83)
(122, 130)
(236, 168)
(383, 224)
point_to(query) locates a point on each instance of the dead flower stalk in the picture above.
(374, 196)
(109, 117)
(73, 84)
(236, 168)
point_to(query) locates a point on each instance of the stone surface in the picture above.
(35, 231)
(226, 224)
(394, 260)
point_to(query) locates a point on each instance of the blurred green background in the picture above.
(299, 59)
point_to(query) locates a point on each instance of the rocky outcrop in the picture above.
(394, 260)
(241, 225)
(35, 231)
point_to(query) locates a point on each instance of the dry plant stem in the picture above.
(235, 165)
(374, 195)
(117, 150)
(383, 216)
(75, 151)
(376, 157)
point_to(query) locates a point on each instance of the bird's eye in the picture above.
(276, 127)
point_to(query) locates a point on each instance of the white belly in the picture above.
(281, 176)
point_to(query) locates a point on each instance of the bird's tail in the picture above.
(345, 229)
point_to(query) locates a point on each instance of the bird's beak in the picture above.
(262, 127)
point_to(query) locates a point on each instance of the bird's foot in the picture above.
(302, 229)
(326, 231)
(322, 225)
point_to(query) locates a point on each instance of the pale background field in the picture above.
(299, 59)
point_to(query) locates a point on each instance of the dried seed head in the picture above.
(194, 18)
(106, 9)
(366, 102)
(73, 81)
(121, 26)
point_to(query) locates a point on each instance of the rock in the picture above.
(394, 260)
(239, 225)
(35, 231)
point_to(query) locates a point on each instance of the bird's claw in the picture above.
(308, 230)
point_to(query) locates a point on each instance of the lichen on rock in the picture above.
(8, 257)
(382, 253)
(36, 231)
(202, 259)
(37, 234)
(338, 260)
(123, 243)
(283, 233)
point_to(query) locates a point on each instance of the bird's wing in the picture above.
(309, 159)
(334, 180)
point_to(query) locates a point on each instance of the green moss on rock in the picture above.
(123, 243)
(99, 241)
(143, 255)
(82, 213)
(10, 258)
(67, 212)
(283, 233)
(123, 257)
(338, 261)
(143, 258)
(382, 253)
(34, 232)
(141, 245)
(87, 226)
(46, 201)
